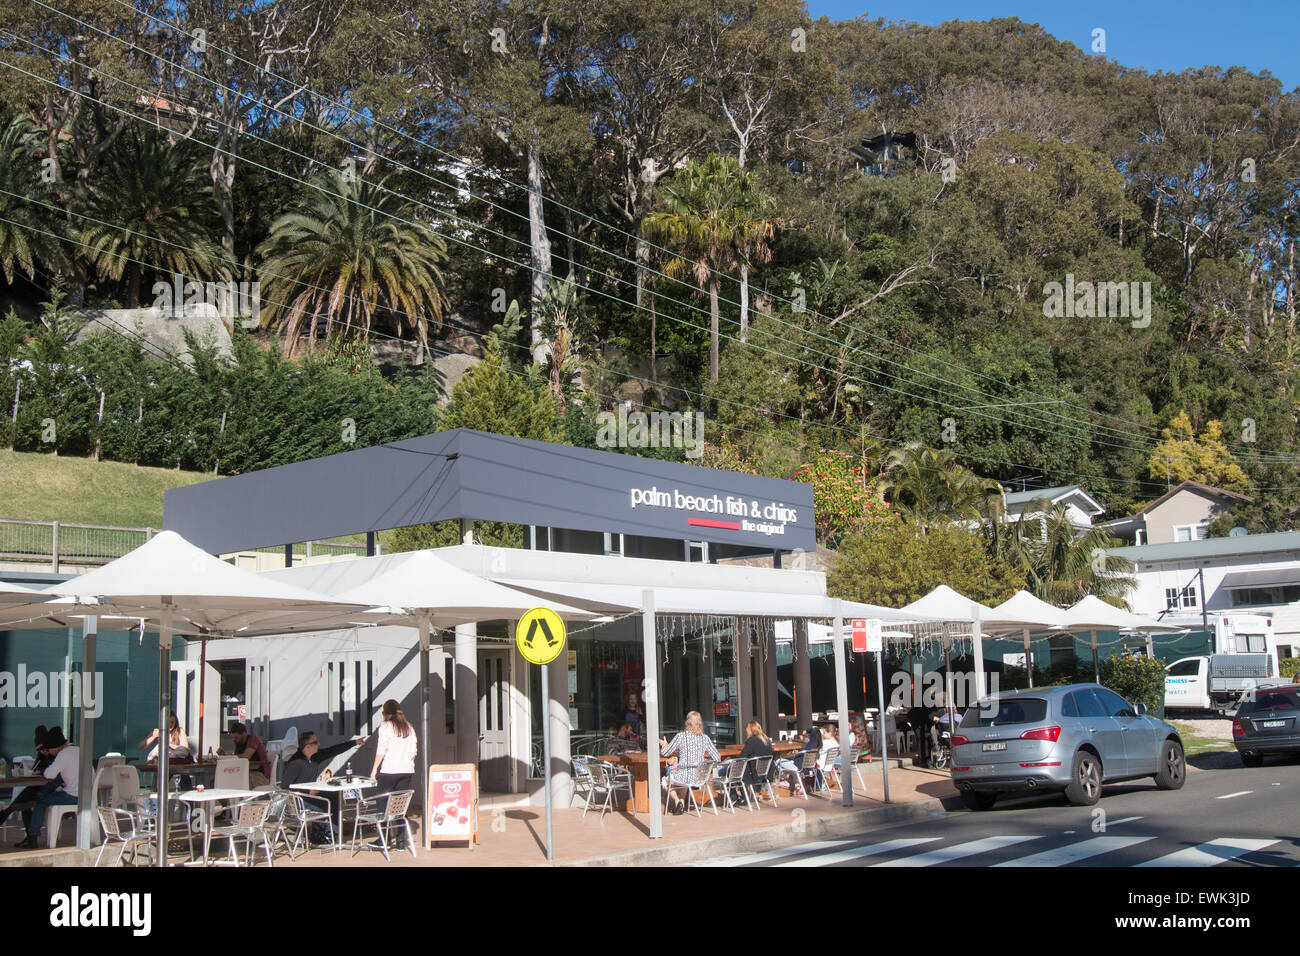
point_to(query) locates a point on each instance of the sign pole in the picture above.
(651, 700)
(546, 762)
(540, 636)
(875, 638)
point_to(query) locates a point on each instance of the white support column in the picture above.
(977, 647)
(842, 701)
(1029, 658)
(650, 698)
(466, 672)
(558, 712)
(425, 740)
(87, 824)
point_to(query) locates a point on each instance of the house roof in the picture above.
(1193, 486)
(1055, 495)
(1207, 548)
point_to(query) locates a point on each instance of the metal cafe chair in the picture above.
(582, 779)
(249, 823)
(765, 775)
(701, 783)
(806, 764)
(302, 816)
(127, 829)
(731, 779)
(385, 813)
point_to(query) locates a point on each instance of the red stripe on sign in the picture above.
(707, 523)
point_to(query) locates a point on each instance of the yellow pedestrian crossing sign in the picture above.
(539, 635)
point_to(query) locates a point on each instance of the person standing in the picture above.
(62, 788)
(394, 766)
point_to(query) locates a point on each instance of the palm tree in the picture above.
(151, 207)
(29, 233)
(1063, 564)
(348, 251)
(717, 218)
(930, 485)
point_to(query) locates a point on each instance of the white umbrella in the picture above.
(176, 586)
(424, 591)
(1092, 614)
(1044, 616)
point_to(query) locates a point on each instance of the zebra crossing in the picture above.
(922, 852)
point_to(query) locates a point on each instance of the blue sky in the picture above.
(1158, 35)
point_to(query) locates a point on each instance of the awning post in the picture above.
(650, 698)
(842, 700)
(86, 822)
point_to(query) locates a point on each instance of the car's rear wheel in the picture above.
(1173, 766)
(1252, 760)
(1084, 788)
(978, 800)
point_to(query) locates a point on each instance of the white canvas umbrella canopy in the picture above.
(1023, 604)
(176, 586)
(1092, 614)
(424, 591)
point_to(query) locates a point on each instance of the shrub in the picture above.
(1137, 680)
(1290, 667)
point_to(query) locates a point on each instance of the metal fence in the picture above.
(52, 543)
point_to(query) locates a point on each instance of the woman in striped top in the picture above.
(692, 747)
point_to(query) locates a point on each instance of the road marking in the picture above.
(959, 851)
(875, 849)
(1239, 793)
(783, 852)
(1062, 855)
(1115, 823)
(1210, 854)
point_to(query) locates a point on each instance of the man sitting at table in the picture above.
(62, 788)
(250, 747)
(306, 765)
(26, 799)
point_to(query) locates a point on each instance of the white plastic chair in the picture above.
(110, 760)
(126, 786)
(54, 820)
(24, 765)
(275, 770)
(231, 773)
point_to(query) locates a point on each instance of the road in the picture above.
(1226, 818)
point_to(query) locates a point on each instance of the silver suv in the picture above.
(1072, 738)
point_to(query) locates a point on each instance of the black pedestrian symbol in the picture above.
(546, 630)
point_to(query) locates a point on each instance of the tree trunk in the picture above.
(654, 342)
(744, 301)
(713, 329)
(541, 249)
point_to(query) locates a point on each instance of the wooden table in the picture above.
(17, 782)
(780, 748)
(638, 762)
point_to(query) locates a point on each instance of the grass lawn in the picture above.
(1195, 744)
(40, 487)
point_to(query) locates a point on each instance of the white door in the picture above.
(494, 720)
(1185, 683)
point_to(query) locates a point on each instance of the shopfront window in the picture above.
(700, 673)
(604, 668)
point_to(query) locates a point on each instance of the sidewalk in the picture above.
(516, 836)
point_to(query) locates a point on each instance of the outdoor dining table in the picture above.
(339, 785)
(208, 799)
(638, 762)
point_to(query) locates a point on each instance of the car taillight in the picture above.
(1237, 729)
(958, 740)
(1042, 733)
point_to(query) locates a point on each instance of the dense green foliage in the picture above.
(1139, 680)
(695, 176)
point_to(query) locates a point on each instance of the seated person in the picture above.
(306, 765)
(62, 788)
(624, 739)
(178, 745)
(26, 798)
(250, 747)
(757, 744)
(812, 742)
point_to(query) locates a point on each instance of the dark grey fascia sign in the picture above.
(470, 474)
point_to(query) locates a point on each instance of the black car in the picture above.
(1268, 722)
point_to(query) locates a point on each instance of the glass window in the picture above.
(1171, 598)
(1088, 704)
(1115, 705)
(1189, 596)
(1016, 710)
(1187, 668)
(1278, 700)
(1069, 706)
